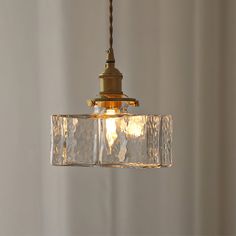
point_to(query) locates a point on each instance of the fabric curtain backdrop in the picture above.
(177, 57)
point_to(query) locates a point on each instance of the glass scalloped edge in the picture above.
(120, 140)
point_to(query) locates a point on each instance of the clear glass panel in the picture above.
(112, 140)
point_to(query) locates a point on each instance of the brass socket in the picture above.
(111, 78)
(111, 95)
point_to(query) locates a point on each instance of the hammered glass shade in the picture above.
(124, 140)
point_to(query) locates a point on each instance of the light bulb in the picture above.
(133, 129)
(111, 133)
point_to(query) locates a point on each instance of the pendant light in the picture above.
(111, 136)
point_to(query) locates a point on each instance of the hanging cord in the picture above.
(110, 53)
(111, 23)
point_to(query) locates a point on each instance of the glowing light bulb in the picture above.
(133, 129)
(111, 133)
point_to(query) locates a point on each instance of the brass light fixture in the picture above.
(110, 136)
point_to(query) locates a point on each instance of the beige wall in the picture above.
(178, 57)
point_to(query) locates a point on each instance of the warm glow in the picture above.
(111, 134)
(110, 112)
(135, 127)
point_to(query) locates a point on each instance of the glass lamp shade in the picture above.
(111, 139)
